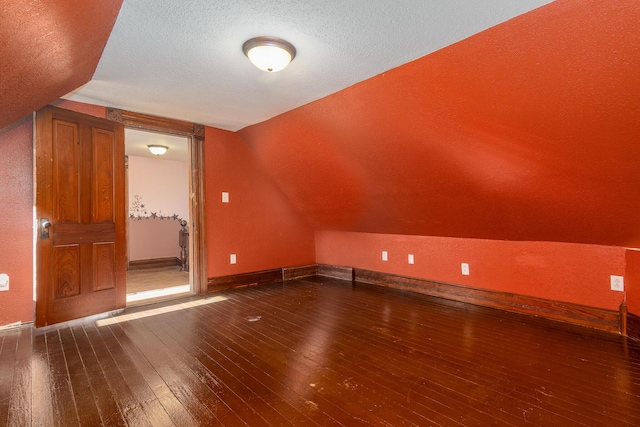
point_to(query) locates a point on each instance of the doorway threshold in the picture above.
(155, 295)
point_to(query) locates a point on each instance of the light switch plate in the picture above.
(4, 282)
(385, 256)
(232, 259)
(410, 259)
(225, 197)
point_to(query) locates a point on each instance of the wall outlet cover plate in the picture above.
(617, 283)
(465, 268)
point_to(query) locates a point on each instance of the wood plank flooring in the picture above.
(155, 278)
(317, 352)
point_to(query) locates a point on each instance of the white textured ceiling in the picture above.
(136, 144)
(183, 59)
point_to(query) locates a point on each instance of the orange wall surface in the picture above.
(49, 48)
(16, 213)
(569, 272)
(515, 150)
(527, 131)
(258, 224)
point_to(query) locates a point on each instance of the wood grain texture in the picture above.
(65, 172)
(146, 122)
(633, 326)
(44, 205)
(195, 133)
(7, 367)
(244, 279)
(66, 234)
(155, 278)
(318, 351)
(289, 273)
(345, 273)
(560, 311)
(104, 263)
(66, 273)
(197, 232)
(143, 264)
(84, 256)
(102, 176)
(20, 401)
(555, 310)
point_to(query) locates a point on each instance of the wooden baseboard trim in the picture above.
(142, 264)
(265, 276)
(243, 279)
(633, 326)
(344, 273)
(605, 320)
(590, 317)
(290, 273)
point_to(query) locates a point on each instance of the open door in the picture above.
(80, 211)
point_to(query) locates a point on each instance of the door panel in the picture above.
(103, 152)
(80, 186)
(66, 274)
(65, 172)
(103, 266)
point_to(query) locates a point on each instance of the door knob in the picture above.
(45, 224)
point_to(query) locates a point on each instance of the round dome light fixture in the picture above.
(270, 54)
(158, 150)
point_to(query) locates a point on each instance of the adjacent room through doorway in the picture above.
(158, 216)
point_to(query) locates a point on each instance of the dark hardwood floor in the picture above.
(317, 351)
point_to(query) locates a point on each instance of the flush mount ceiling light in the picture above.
(270, 54)
(158, 150)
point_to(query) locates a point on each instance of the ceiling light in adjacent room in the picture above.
(270, 54)
(158, 150)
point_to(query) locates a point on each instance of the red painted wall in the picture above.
(49, 49)
(258, 224)
(515, 150)
(16, 214)
(527, 131)
(570, 272)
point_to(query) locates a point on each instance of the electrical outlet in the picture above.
(385, 256)
(225, 197)
(4, 282)
(617, 283)
(410, 259)
(465, 268)
(232, 259)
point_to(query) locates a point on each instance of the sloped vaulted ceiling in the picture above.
(184, 59)
(527, 131)
(47, 49)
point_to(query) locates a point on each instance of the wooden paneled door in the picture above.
(80, 211)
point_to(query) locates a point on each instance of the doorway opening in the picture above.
(158, 260)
